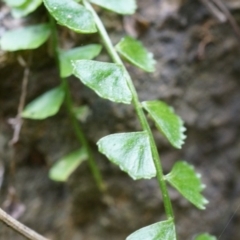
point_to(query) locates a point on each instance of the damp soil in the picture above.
(197, 72)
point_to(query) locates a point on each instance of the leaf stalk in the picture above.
(138, 108)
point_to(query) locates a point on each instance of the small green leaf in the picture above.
(124, 7)
(164, 230)
(87, 52)
(133, 51)
(188, 183)
(64, 167)
(26, 8)
(131, 151)
(25, 38)
(72, 15)
(45, 105)
(15, 3)
(108, 80)
(170, 124)
(205, 236)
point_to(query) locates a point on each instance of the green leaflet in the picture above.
(72, 15)
(133, 51)
(45, 105)
(170, 124)
(27, 7)
(64, 167)
(108, 80)
(25, 38)
(164, 230)
(205, 236)
(124, 7)
(15, 3)
(87, 52)
(131, 151)
(188, 183)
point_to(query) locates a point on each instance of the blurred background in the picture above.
(197, 48)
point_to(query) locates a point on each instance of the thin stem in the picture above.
(138, 108)
(75, 124)
(19, 227)
(17, 121)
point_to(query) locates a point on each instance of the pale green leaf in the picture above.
(164, 230)
(45, 105)
(188, 183)
(64, 167)
(170, 124)
(131, 151)
(124, 7)
(87, 52)
(205, 236)
(26, 8)
(133, 51)
(25, 38)
(108, 80)
(72, 15)
(15, 3)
